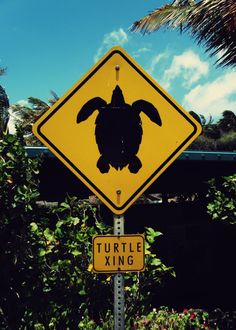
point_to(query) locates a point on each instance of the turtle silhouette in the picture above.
(118, 130)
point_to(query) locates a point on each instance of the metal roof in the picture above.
(186, 155)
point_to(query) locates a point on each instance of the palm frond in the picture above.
(2, 71)
(171, 16)
(4, 114)
(4, 101)
(37, 104)
(211, 22)
(54, 98)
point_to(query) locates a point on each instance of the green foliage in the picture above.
(202, 142)
(222, 199)
(227, 142)
(18, 179)
(4, 114)
(47, 280)
(62, 247)
(140, 287)
(228, 121)
(18, 194)
(219, 136)
(25, 115)
(169, 319)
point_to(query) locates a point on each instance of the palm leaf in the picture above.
(4, 114)
(170, 16)
(211, 22)
(2, 71)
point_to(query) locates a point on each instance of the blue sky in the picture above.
(50, 44)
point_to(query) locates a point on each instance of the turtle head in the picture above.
(117, 99)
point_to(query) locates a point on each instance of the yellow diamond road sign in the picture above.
(113, 254)
(117, 130)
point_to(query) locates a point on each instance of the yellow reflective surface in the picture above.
(113, 254)
(75, 144)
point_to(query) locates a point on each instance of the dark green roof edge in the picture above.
(186, 155)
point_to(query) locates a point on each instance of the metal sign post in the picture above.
(119, 294)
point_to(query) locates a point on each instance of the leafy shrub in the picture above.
(222, 199)
(66, 288)
(219, 136)
(166, 319)
(221, 320)
(47, 280)
(203, 142)
(227, 142)
(69, 289)
(18, 194)
(169, 319)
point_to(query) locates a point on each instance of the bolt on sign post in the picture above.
(117, 130)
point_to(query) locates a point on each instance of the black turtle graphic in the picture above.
(118, 130)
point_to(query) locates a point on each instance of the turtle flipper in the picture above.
(103, 165)
(135, 165)
(89, 107)
(149, 110)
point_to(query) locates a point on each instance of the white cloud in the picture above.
(214, 97)
(115, 38)
(188, 66)
(154, 61)
(140, 51)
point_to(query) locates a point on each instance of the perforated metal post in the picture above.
(119, 299)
